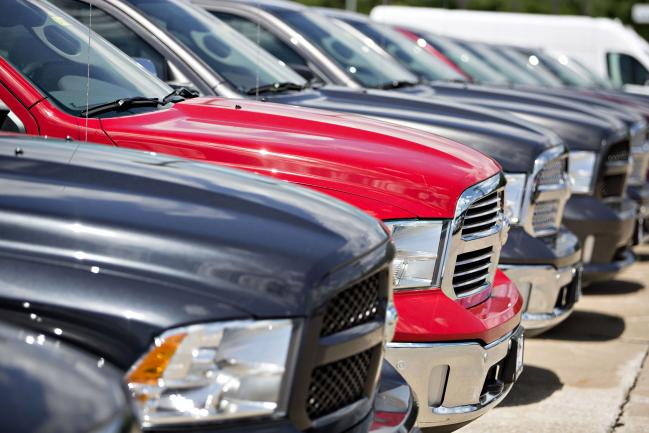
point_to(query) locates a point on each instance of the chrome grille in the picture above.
(553, 172)
(472, 270)
(483, 214)
(545, 217)
(639, 167)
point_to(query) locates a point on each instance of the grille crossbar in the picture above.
(483, 214)
(472, 270)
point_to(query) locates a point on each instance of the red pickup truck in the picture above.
(458, 341)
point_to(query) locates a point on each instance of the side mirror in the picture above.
(184, 87)
(147, 64)
(304, 71)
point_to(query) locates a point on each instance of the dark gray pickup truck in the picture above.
(226, 301)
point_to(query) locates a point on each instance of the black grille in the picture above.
(613, 182)
(553, 172)
(483, 214)
(338, 384)
(613, 186)
(353, 306)
(618, 153)
(472, 270)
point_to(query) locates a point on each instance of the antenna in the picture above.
(76, 147)
(258, 37)
(88, 69)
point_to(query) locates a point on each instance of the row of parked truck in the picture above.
(404, 222)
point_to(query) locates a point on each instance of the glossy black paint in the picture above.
(523, 249)
(50, 386)
(611, 230)
(515, 144)
(116, 246)
(579, 127)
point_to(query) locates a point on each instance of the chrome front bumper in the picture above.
(549, 294)
(457, 382)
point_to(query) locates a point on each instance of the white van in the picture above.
(604, 45)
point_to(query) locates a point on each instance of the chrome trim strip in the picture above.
(459, 274)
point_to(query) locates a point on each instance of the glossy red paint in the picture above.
(418, 173)
(434, 52)
(389, 171)
(430, 315)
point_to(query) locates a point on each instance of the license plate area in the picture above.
(513, 362)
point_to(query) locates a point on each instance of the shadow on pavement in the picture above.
(534, 385)
(642, 257)
(614, 287)
(587, 326)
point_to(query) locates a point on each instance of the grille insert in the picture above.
(618, 153)
(553, 172)
(613, 182)
(338, 384)
(472, 270)
(353, 306)
(545, 216)
(483, 214)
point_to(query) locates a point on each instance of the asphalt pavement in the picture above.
(591, 373)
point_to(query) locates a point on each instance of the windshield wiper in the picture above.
(275, 88)
(397, 85)
(122, 104)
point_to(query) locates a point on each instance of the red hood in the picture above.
(408, 172)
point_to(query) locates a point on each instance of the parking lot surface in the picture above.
(591, 373)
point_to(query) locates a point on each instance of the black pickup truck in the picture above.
(227, 301)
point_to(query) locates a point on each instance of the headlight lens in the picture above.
(514, 194)
(418, 249)
(581, 167)
(213, 371)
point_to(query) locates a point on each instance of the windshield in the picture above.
(579, 67)
(51, 50)
(467, 61)
(532, 64)
(408, 53)
(358, 59)
(514, 73)
(244, 65)
(565, 73)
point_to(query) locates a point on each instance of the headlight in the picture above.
(419, 247)
(514, 194)
(213, 371)
(581, 167)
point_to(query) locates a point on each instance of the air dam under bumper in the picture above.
(640, 194)
(456, 382)
(548, 275)
(605, 231)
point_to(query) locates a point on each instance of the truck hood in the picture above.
(492, 132)
(141, 243)
(580, 128)
(417, 174)
(620, 108)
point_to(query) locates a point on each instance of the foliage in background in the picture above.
(602, 8)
